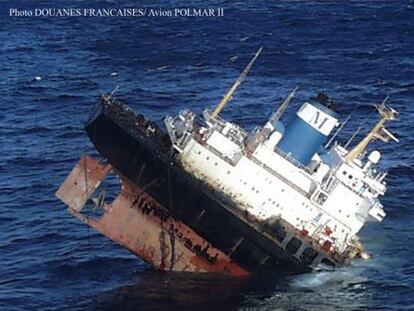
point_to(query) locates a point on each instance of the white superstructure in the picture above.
(329, 200)
(322, 197)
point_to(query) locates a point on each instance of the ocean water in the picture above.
(53, 69)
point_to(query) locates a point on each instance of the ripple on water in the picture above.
(357, 52)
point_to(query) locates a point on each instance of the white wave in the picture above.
(321, 279)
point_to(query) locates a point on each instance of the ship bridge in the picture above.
(286, 172)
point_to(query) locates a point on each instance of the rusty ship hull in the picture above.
(165, 215)
(205, 195)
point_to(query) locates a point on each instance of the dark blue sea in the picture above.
(53, 69)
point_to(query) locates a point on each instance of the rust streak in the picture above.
(139, 223)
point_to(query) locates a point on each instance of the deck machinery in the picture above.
(207, 196)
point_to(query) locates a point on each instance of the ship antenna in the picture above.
(228, 96)
(352, 137)
(338, 130)
(115, 89)
(378, 132)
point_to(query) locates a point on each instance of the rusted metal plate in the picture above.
(82, 182)
(139, 223)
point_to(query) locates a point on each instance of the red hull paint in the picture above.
(139, 223)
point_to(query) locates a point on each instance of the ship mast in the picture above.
(268, 128)
(276, 116)
(228, 96)
(378, 132)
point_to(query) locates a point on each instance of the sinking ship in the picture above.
(201, 194)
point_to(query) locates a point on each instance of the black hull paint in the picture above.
(144, 156)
